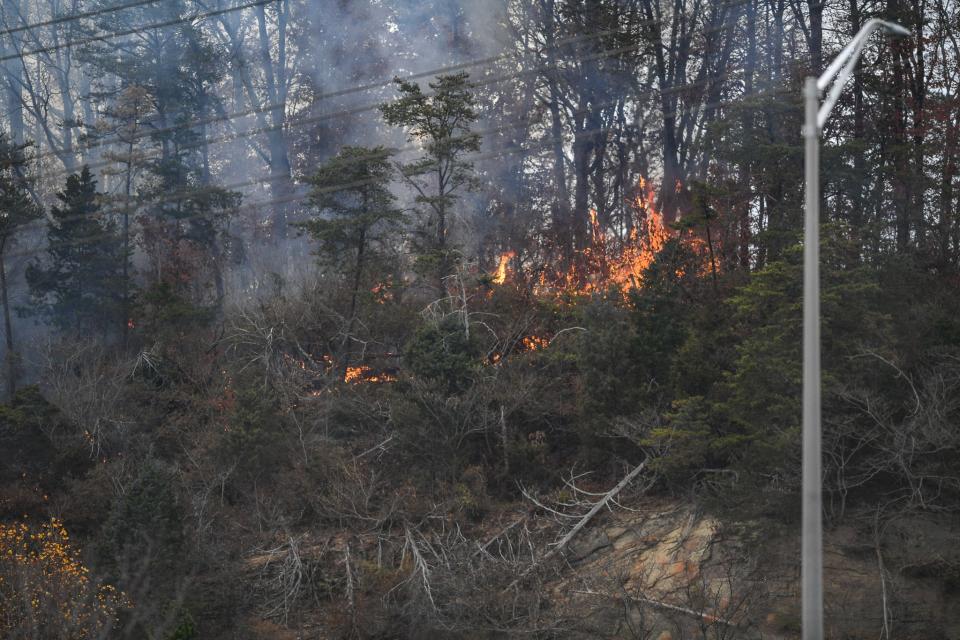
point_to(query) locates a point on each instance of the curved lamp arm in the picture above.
(843, 65)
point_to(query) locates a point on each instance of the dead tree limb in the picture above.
(712, 619)
(597, 506)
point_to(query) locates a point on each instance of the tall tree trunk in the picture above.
(582, 148)
(746, 122)
(859, 134)
(815, 9)
(561, 213)
(281, 186)
(562, 222)
(947, 220)
(11, 360)
(13, 76)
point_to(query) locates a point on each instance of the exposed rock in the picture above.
(668, 568)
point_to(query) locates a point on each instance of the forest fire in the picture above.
(606, 263)
(381, 292)
(357, 319)
(363, 374)
(525, 344)
(359, 374)
(535, 343)
(503, 268)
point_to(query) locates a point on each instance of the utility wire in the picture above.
(412, 147)
(302, 122)
(271, 107)
(487, 81)
(77, 16)
(267, 108)
(117, 34)
(175, 197)
(541, 144)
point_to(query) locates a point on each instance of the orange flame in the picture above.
(608, 261)
(503, 268)
(357, 375)
(382, 293)
(535, 343)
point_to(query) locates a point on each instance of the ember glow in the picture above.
(381, 292)
(361, 374)
(535, 343)
(525, 344)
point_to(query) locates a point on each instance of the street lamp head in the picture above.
(847, 58)
(840, 70)
(895, 29)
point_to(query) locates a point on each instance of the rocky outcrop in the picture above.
(670, 571)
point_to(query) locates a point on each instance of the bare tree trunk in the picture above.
(859, 133)
(743, 217)
(946, 191)
(594, 510)
(13, 76)
(562, 213)
(275, 82)
(8, 330)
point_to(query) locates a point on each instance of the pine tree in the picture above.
(361, 218)
(79, 284)
(441, 123)
(17, 208)
(168, 76)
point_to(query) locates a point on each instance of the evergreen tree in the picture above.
(173, 69)
(79, 285)
(440, 122)
(362, 218)
(17, 208)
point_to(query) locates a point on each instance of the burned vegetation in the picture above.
(471, 320)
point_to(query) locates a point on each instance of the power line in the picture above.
(542, 144)
(500, 129)
(77, 16)
(273, 106)
(117, 34)
(301, 122)
(487, 81)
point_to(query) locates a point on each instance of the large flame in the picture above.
(647, 237)
(608, 262)
(504, 267)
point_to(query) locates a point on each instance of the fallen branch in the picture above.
(482, 548)
(351, 599)
(597, 506)
(663, 605)
(373, 448)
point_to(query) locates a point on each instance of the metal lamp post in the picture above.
(838, 73)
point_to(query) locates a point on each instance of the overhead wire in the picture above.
(541, 144)
(562, 42)
(267, 108)
(486, 81)
(73, 17)
(269, 179)
(133, 31)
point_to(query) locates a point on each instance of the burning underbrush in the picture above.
(609, 261)
(520, 308)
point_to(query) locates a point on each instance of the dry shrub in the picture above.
(46, 591)
(87, 382)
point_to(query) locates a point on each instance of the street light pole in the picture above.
(815, 115)
(811, 572)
